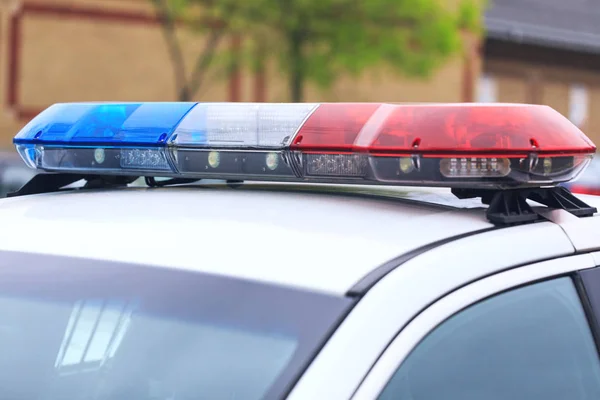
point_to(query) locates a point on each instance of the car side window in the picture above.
(531, 343)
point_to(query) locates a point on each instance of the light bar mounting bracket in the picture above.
(510, 206)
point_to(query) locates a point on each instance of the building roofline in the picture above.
(519, 32)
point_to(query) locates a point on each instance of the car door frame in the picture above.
(410, 337)
(385, 309)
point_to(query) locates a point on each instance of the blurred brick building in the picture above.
(545, 51)
(98, 50)
(95, 50)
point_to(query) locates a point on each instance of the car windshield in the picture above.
(74, 329)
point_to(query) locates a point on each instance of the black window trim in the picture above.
(593, 316)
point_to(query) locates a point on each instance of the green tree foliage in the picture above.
(209, 19)
(319, 40)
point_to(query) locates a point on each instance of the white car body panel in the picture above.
(409, 289)
(436, 314)
(584, 233)
(596, 256)
(320, 242)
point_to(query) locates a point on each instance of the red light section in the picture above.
(444, 130)
(480, 129)
(333, 127)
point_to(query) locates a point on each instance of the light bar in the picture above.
(453, 145)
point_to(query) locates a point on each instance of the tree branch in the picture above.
(173, 46)
(207, 55)
(204, 59)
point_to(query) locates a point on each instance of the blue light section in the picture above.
(104, 124)
(53, 121)
(194, 128)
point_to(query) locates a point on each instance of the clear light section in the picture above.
(264, 125)
(144, 159)
(342, 165)
(226, 164)
(96, 160)
(474, 167)
(553, 169)
(29, 154)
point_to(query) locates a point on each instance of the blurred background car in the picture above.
(13, 172)
(589, 181)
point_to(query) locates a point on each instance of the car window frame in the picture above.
(406, 291)
(588, 285)
(451, 304)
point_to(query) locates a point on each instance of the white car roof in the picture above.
(297, 235)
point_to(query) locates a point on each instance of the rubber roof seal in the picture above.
(368, 281)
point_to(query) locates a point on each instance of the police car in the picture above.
(301, 251)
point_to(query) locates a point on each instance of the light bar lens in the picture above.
(456, 145)
(467, 129)
(141, 159)
(100, 160)
(334, 127)
(114, 124)
(241, 125)
(342, 165)
(231, 164)
(474, 167)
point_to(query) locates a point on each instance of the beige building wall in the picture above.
(77, 60)
(522, 82)
(88, 50)
(445, 85)
(113, 50)
(512, 89)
